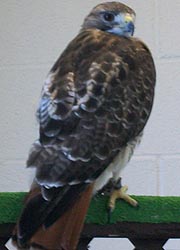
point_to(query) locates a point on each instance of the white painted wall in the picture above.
(33, 33)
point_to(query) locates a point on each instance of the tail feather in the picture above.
(35, 213)
(66, 202)
(82, 208)
(54, 224)
(65, 232)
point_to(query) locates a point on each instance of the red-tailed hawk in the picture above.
(93, 109)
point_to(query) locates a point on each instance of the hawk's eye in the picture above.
(109, 17)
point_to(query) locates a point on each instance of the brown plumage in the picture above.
(94, 106)
(66, 231)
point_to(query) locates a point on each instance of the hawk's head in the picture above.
(113, 17)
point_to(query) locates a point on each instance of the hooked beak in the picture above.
(129, 24)
(128, 18)
(123, 25)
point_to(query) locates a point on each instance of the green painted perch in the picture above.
(148, 226)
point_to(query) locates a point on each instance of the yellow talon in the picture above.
(121, 194)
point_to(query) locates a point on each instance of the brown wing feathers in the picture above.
(98, 96)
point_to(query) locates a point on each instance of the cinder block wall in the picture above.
(32, 36)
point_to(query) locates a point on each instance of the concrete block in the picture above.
(168, 26)
(14, 177)
(161, 135)
(20, 91)
(141, 175)
(36, 32)
(169, 175)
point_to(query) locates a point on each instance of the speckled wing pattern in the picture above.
(97, 97)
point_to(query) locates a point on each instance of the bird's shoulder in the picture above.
(96, 46)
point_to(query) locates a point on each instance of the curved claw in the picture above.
(121, 194)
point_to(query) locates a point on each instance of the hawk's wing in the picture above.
(98, 97)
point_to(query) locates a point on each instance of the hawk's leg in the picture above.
(119, 192)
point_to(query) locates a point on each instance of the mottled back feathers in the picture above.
(94, 105)
(97, 97)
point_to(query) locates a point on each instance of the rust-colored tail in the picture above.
(65, 232)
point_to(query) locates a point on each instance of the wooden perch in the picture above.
(148, 227)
